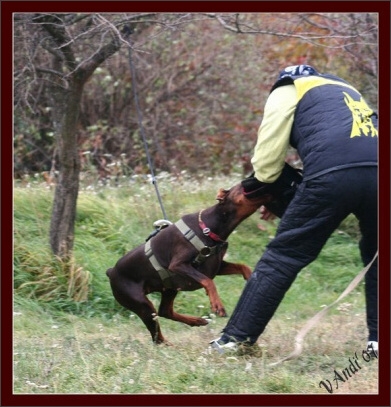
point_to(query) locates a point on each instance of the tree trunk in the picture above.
(67, 92)
(62, 223)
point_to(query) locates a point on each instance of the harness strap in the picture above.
(190, 235)
(164, 274)
(203, 252)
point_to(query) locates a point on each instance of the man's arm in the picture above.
(274, 133)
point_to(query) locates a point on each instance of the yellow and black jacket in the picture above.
(339, 132)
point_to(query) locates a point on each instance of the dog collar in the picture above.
(206, 231)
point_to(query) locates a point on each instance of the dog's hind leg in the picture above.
(133, 298)
(166, 310)
(146, 311)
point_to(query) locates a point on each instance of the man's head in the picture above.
(297, 70)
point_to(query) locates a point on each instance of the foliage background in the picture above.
(201, 86)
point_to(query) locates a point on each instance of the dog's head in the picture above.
(233, 199)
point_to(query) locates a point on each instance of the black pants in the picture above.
(317, 209)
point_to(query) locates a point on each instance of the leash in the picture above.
(140, 123)
(317, 317)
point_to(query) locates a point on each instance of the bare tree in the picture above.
(69, 77)
(62, 52)
(70, 59)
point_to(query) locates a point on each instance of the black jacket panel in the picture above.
(333, 127)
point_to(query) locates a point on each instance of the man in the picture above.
(335, 133)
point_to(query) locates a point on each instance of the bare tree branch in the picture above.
(54, 26)
(231, 23)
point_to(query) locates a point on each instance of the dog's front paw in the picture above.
(246, 272)
(220, 311)
(223, 314)
(196, 321)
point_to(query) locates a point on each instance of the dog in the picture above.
(184, 256)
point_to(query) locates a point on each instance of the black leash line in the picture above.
(140, 123)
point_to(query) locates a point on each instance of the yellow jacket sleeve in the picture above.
(274, 133)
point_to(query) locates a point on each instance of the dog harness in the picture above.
(203, 251)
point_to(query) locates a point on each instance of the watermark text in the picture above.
(355, 364)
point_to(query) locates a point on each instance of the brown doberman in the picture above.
(183, 256)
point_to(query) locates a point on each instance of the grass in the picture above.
(71, 337)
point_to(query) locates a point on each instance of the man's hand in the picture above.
(266, 214)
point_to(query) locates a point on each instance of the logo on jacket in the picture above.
(362, 122)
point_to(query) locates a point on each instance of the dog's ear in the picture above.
(222, 194)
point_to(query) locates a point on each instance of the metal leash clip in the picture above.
(161, 224)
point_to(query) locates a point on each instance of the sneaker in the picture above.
(222, 346)
(234, 347)
(373, 348)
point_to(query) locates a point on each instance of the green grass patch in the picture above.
(70, 335)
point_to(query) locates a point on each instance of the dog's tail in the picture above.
(109, 272)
